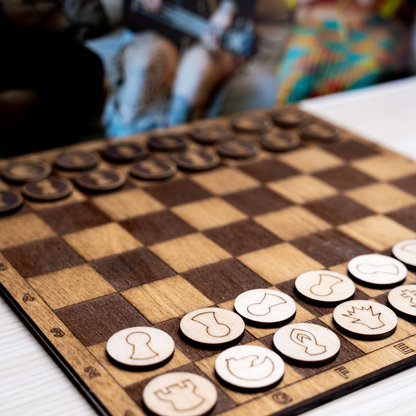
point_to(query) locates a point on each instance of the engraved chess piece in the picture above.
(182, 396)
(405, 251)
(99, 178)
(368, 268)
(403, 300)
(265, 306)
(251, 367)
(307, 339)
(141, 348)
(213, 327)
(325, 285)
(46, 187)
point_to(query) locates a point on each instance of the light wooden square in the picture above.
(302, 188)
(225, 180)
(74, 285)
(386, 167)
(189, 252)
(381, 197)
(311, 159)
(23, 229)
(127, 204)
(165, 299)
(279, 263)
(125, 377)
(208, 213)
(102, 241)
(292, 222)
(377, 232)
(76, 196)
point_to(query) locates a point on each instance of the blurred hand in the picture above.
(150, 5)
(27, 12)
(219, 22)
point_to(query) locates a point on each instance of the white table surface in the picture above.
(32, 384)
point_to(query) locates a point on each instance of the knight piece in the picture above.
(403, 301)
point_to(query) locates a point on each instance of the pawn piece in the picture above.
(215, 327)
(307, 344)
(197, 160)
(152, 169)
(250, 367)
(101, 180)
(364, 319)
(265, 307)
(9, 201)
(377, 270)
(210, 133)
(279, 141)
(76, 160)
(403, 301)
(289, 117)
(405, 251)
(48, 189)
(325, 286)
(27, 171)
(168, 142)
(252, 123)
(319, 132)
(140, 347)
(125, 152)
(237, 149)
(181, 393)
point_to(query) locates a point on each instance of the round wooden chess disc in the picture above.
(27, 171)
(76, 160)
(289, 117)
(153, 169)
(249, 367)
(210, 133)
(9, 201)
(101, 180)
(279, 141)
(168, 142)
(403, 300)
(197, 160)
(213, 327)
(320, 132)
(125, 152)
(252, 123)
(180, 393)
(405, 251)
(265, 306)
(377, 270)
(364, 319)
(325, 286)
(238, 149)
(140, 347)
(307, 344)
(48, 189)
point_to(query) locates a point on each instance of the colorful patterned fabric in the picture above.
(331, 58)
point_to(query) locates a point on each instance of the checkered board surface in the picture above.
(82, 268)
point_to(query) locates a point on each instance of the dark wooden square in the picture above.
(338, 209)
(131, 269)
(44, 256)
(157, 227)
(268, 170)
(135, 391)
(177, 192)
(242, 237)
(344, 178)
(405, 216)
(257, 201)
(350, 150)
(408, 184)
(73, 217)
(330, 247)
(224, 280)
(96, 320)
(347, 352)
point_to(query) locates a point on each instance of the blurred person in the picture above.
(162, 77)
(337, 45)
(50, 86)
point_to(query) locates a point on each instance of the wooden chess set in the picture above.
(233, 266)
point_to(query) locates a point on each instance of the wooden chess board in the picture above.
(79, 269)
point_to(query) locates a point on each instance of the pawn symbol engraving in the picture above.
(151, 167)
(99, 178)
(264, 307)
(368, 268)
(325, 285)
(46, 188)
(141, 349)
(214, 328)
